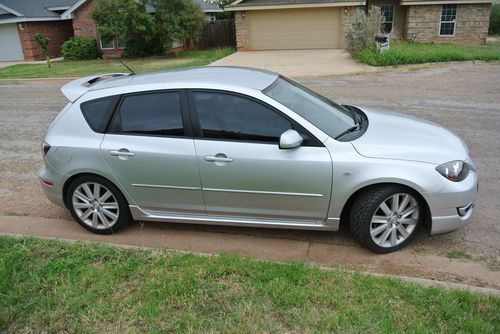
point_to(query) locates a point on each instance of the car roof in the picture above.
(244, 77)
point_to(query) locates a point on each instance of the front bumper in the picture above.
(53, 192)
(452, 207)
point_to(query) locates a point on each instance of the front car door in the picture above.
(244, 172)
(151, 152)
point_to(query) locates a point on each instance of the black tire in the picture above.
(365, 207)
(123, 211)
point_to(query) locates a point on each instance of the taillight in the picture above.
(45, 148)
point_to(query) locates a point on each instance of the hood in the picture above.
(396, 136)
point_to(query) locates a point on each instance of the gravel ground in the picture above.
(462, 97)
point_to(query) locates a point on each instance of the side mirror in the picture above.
(290, 139)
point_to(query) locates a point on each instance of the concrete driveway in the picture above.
(298, 63)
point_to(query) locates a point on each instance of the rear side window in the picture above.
(98, 112)
(150, 114)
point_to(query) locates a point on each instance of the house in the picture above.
(321, 24)
(20, 20)
(57, 20)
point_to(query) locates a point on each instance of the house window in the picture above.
(448, 20)
(106, 43)
(120, 43)
(112, 43)
(387, 12)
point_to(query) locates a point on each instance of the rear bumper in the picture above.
(452, 207)
(53, 192)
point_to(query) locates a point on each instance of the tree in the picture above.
(177, 20)
(148, 33)
(43, 43)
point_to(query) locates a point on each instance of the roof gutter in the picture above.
(232, 8)
(442, 2)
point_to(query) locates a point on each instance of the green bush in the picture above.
(361, 34)
(495, 20)
(416, 53)
(79, 48)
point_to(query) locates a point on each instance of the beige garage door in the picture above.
(314, 28)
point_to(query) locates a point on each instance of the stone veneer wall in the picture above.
(471, 26)
(57, 32)
(242, 24)
(346, 16)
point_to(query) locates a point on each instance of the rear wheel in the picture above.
(97, 205)
(386, 218)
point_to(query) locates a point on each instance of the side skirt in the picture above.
(330, 224)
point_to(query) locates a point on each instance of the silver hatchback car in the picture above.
(246, 147)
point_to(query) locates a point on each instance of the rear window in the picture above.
(98, 112)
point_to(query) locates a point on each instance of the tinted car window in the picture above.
(155, 114)
(227, 116)
(98, 112)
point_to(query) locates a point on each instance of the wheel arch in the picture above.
(73, 177)
(346, 209)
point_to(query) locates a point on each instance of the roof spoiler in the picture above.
(76, 88)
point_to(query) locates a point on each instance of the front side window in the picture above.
(150, 114)
(232, 117)
(448, 20)
(387, 12)
(323, 113)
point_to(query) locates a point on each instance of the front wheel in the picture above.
(97, 204)
(386, 218)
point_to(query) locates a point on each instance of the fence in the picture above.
(215, 34)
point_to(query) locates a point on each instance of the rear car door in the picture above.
(150, 149)
(244, 172)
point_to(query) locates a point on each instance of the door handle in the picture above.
(219, 157)
(123, 152)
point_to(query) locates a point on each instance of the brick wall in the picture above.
(57, 31)
(346, 16)
(471, 25)
(84, 25)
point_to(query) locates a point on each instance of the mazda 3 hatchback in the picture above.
(246, 147)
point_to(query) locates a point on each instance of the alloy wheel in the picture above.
(95, 205)
(394, 220)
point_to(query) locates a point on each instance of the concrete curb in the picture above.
(448, 286)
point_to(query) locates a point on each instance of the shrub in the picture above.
(361, 35)
(495, 19)
(79, 48)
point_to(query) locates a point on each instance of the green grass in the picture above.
(459, 255)
(416, 53)
(89, 67)
(50, 286)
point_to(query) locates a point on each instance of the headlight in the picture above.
(455, 171)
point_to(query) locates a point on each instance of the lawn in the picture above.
(88, 67)
(51, 286)
(416, 53)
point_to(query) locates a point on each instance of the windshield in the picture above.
(326, 115)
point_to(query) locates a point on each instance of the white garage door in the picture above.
(10, 45)
(313, 28)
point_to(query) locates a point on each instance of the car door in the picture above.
(151, 152)
(243, 170)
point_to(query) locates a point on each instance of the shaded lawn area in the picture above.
(416, 53)
(50, 286)
(89, 67)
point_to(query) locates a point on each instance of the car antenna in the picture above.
(131, 70)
